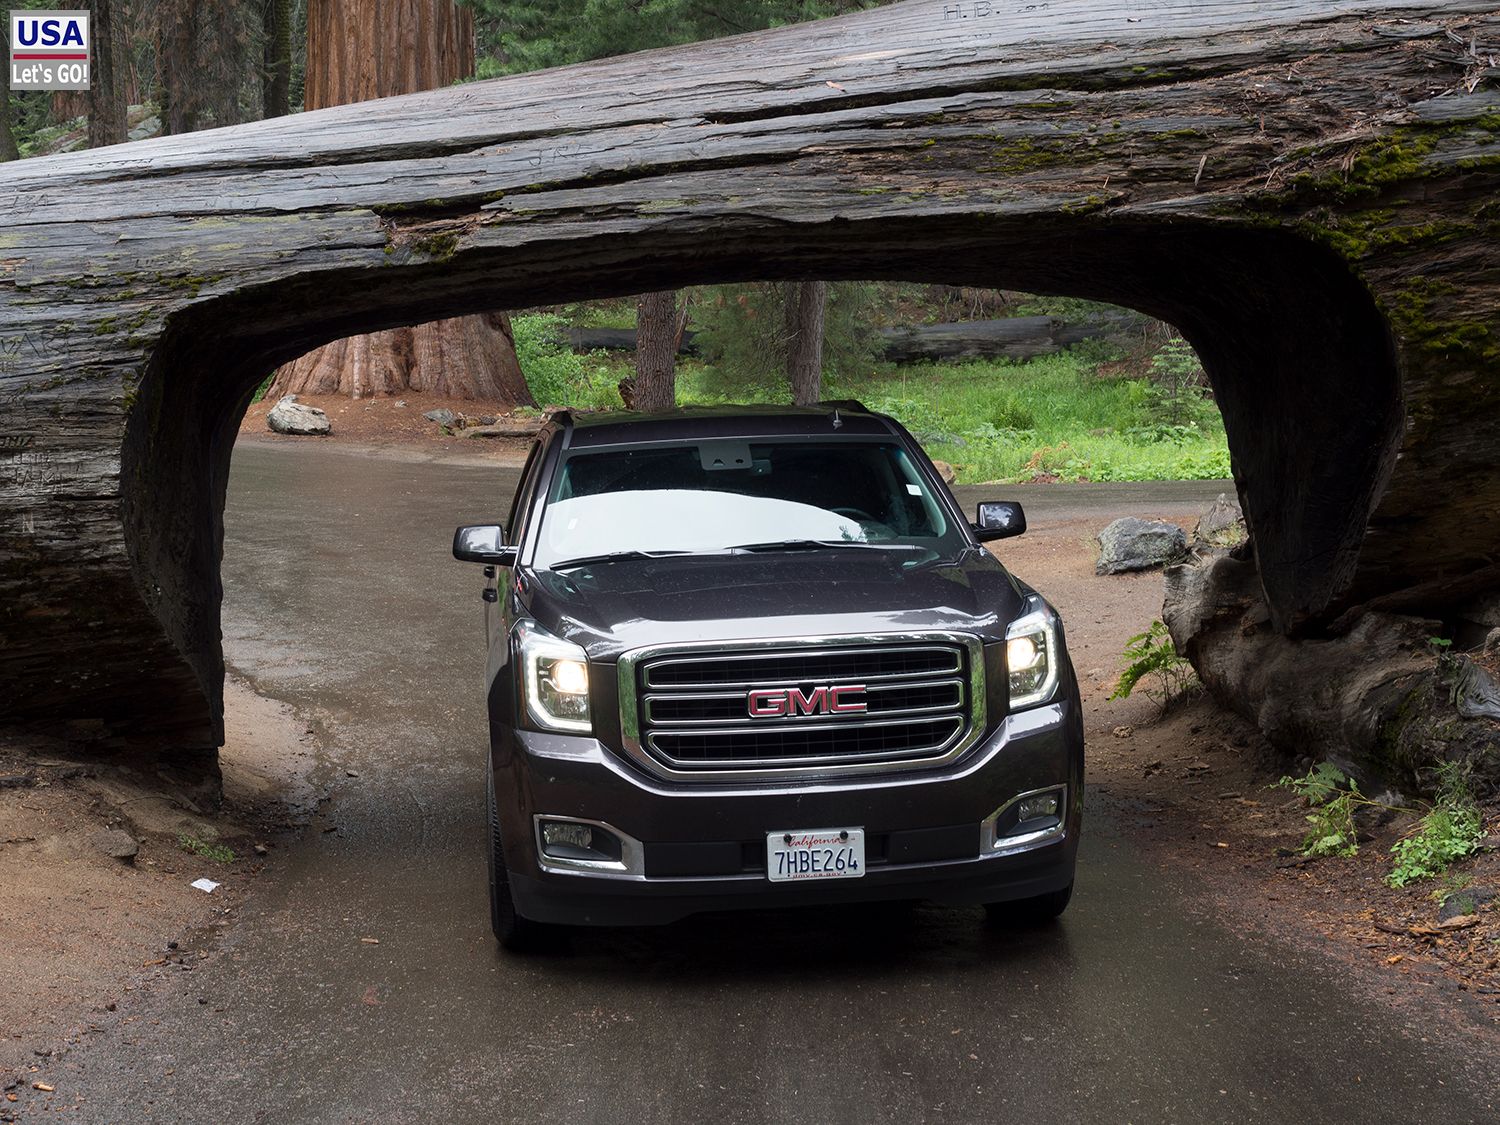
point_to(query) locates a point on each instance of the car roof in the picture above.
(827, 419)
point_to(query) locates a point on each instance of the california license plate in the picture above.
(823, 853)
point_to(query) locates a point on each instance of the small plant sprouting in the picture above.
(1151, 657)
(216, 852)
(1332, 795)
(1448, 832)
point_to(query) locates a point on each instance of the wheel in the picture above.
(513, 931)
(1025, 913)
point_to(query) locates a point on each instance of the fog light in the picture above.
(1040, 805)
(561, 833)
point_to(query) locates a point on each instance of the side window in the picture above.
(523, 490)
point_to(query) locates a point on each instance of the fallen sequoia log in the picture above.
(1014, 337)
(1307, 191)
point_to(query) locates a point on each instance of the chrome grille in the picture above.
(686, 713)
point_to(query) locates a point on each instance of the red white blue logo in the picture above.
(49, 50)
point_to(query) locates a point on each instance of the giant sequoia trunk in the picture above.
(1308, 191)
(356, 52)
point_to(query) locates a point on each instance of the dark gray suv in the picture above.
(755, 656)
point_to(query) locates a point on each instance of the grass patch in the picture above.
(216, 852)
(1053, 417)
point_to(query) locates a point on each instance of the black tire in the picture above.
(513, 931)
(1028, 913)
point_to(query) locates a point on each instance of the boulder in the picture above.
(441, 417)
(291, 417)
(116, 843)
(946, 471)
(1135, 544)
(1222, 526)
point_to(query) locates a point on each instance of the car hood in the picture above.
(614, 607)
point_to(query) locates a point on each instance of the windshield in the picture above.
(719, 495)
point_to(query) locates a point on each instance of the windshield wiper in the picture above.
(819, 545)
(612, 556)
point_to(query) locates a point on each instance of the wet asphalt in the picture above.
(341, 598)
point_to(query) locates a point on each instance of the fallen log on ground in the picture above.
(1014, 337)
(1306, 190)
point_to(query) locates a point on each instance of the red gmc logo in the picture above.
(778, 703)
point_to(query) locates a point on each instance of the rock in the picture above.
(116, 843)
(1466, 902)
(1492, 643)
(150, 127)
(441, 417)
(16, 781)
(486, 420)
(506, 427)
(291, 417)
(1475, 691)
(1135, 544)
(1222, 526)
(946, 471)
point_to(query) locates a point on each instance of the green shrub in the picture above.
(1152, 664)
(1448, 832)
(551, 369)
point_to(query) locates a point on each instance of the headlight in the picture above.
(554, 679)
(1031, 657)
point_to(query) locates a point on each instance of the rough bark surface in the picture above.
(276, 62)
(357, 52)
(806, 304)
(1221, 164)
(107, 98)
(655, 385)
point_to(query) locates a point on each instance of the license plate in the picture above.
(823, 853)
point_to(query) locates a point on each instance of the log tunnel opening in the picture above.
(1301, 361)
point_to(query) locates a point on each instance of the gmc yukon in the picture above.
(758, 657)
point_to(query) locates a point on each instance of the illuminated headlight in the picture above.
(554, 679)
(1031, 657)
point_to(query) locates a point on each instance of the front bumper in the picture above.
(923, 829)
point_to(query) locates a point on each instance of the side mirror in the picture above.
(998, 519)
(483, 543)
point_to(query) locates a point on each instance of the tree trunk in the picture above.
(471, 357)
(8, 149)
(107, 110)
(357, 51)
(276, 75)
(805, 306)
(354, 53)
(656, 334)
(181, 102)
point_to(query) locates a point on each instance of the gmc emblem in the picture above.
(780, 703)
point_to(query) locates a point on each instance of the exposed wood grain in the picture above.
(1306, 189)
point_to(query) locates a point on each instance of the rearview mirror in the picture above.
(483, 543)
(998, 519)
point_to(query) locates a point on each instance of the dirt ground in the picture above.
(382, 422)
(79, 927)
(1194, 788)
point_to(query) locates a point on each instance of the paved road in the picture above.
(341, 599)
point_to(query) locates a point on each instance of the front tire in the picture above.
(1029, 913)
(513, 930)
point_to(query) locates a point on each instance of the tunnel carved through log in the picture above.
(1308, 194)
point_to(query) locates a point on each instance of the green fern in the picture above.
(1153, 666)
